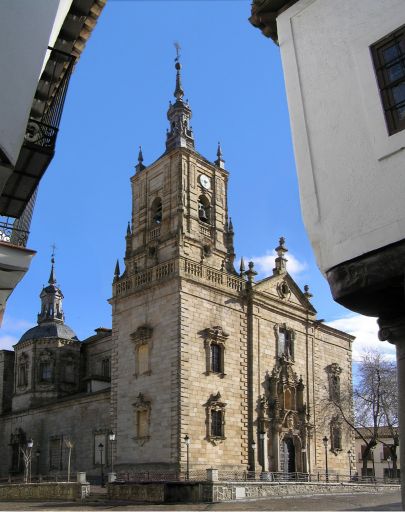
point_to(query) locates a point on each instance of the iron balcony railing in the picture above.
(46, 113)
(13, 235)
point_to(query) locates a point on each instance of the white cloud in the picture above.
(264, 264)
(365, 329)
(16, 326)
(7, 342)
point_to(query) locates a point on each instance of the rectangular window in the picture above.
(389, 63)
(106, 368)
(45, 371)
(216, 423)
(142, 423)
(143, 359)
(23, 374)
(216, 365)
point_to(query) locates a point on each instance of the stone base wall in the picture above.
(228, 491)
(183, 492)
(144, 492)
(44, 491)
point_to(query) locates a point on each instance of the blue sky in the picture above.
(117, 100)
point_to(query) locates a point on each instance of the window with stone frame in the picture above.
(45, 366)
(334, 371)
(214, 342)
(142, 410)
(389, 64)
(22, 370)
(285, 342)
(335, 435)
(215, 419)
(142, 339)
(69, 370)
(106, 367)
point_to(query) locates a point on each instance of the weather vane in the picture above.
(178, 48)
(53, 246)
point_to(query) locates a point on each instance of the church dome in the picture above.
(49, 330)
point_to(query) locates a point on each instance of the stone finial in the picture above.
(242, 267)
(251, 273)
(129, 229)
(117, 271)
(139, 166)
(281, 262)
(230, 226)
(178, 92)
(219, 162)
(307, 293)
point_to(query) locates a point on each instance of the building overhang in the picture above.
(264, 15)
(38, 148)
(14, 263)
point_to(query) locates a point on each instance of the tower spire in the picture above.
(51, 298)
(219, 162)
(180, 134)
(139, 166)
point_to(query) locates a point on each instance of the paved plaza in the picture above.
(389, 500)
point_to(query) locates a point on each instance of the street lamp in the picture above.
(389, 466)
(111, 437)
(349, 453)
(262, 437)
(187, 443)
(253, 445)
(30, 444)
(101, 448)
(325, 443)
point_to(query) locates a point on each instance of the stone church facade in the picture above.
(197, 348)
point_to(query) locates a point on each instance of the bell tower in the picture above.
(179, 202)
(180, 233)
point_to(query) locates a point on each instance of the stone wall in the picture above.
(44, 491)
(182, 492)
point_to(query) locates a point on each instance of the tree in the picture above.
(376, 403)
(375, 399)
(69, 445)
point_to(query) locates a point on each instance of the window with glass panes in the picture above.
(216, 423)
(216, 363)
(389, 62)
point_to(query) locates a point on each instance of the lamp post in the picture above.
(389, 466)
(101, 448)
(30, 444)
(262, 437)
(325, 443)
(372, 459)
(37, 455)
(349, 454)
(187, 443)
(111, 437)
(253, 445)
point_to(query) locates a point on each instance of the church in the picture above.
(202, 363)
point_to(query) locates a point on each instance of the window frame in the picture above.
(141, 337)
(215, 337)
(213, 406)
(385, 84)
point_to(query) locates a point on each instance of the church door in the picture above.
(287, 455)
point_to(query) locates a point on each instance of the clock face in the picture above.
(205, 181)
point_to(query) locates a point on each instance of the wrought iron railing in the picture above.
(42, 128)
(252, 476)
(11, 234)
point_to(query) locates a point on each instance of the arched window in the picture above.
(204, 210)
(156, 211)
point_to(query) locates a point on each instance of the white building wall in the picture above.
(346, 161)
(27, 27)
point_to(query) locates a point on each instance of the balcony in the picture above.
(38, 147)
